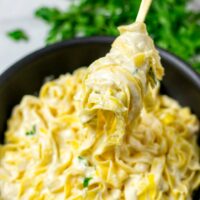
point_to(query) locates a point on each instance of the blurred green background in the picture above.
(169, 22)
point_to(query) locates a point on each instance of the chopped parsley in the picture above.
(32, 131)
(80, 158)
(83, 161)
(86, 181)
(152, 77)
(135, 71)
(18, 35)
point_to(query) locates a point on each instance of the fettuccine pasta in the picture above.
(103, 133)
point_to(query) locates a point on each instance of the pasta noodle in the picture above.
(103, 133)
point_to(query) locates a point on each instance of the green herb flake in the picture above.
(86, 181)
(135, 72)
(152, 77)
(80, 158)
(83, 161)
(18, 35)
(32, 131)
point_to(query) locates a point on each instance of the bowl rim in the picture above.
(183, 66)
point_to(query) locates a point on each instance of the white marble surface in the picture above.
(19, 14)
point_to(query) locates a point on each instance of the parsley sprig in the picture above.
(170, 23)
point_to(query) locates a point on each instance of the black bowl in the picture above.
(27, 75)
